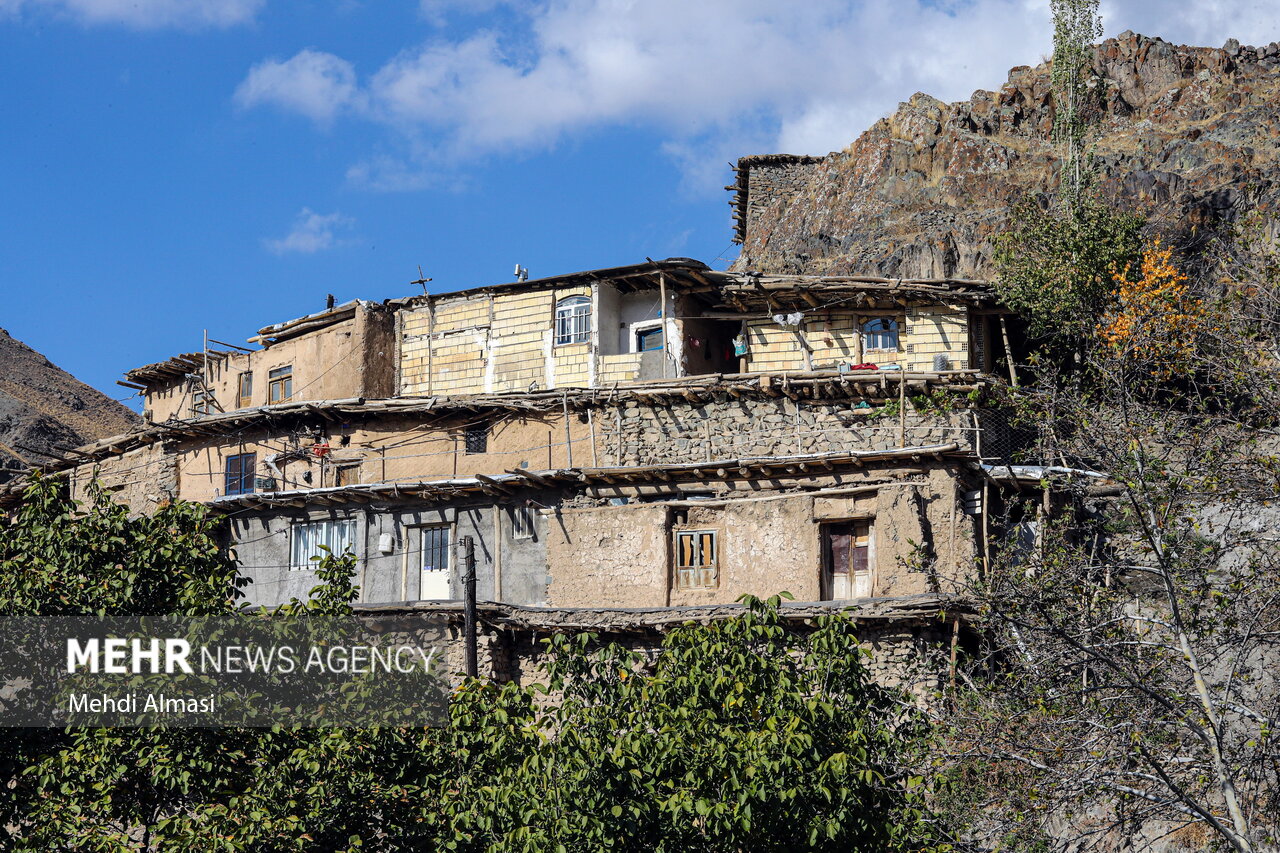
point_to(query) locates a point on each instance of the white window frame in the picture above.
(573, 320)
(329, 532)
(644, 326)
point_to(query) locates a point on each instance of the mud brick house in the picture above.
(343, 351)
(659, 435)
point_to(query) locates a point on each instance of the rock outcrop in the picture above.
(1188, 135)
(45, 410)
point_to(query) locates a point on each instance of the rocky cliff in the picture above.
(1189, 135)
(45, 410)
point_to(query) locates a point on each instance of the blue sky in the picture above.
(175, 165)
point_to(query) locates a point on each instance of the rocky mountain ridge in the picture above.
(1188, 135)
(44, 410)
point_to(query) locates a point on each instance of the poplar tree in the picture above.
(1076, 26)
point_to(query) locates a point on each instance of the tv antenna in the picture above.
(422, 280)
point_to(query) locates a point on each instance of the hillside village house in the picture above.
(659, 434)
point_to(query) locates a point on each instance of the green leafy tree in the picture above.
(1055, 263)
(743, 734)
(1056, 266)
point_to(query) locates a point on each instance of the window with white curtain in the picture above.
(308, 538)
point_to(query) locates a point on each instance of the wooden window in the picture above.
(244, 397)
(522, 522)
(648, 340)
(880, 333)
(280, 385)
(346, 475)
(338, 536)
(475, 438)
(201, 402)
(847, 549)
(697, 559)
(573, 320)
(239, 474)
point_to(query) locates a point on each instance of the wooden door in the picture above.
(847, 553)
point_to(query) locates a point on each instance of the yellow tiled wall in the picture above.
(490, 343)
(938, 330)
(923, 332)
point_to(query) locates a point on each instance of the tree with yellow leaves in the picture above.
(1156, 320)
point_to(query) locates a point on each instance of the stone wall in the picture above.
(772, 184)
(909, 652)
(640, 434)
(141, 479)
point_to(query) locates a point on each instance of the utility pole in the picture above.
(469, 604)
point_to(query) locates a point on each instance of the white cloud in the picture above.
(743, 76)
(312, 232)
(1208, 23)
(316, 84)
(146, 14)
(438, 11)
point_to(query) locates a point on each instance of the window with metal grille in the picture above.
(697, 562)
(522, 521)
(280, 385)
(648, 340)
(244, 397)
(880, 333)
(476, 438)
(573, 320)
(310, 539)
(239, 474)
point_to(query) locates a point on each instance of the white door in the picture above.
(435, 579)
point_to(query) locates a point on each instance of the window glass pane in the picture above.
(435, 548)
(839, 544)
(280, 384)
(303, 546)
(239, 474)
(573, 320)
(649, 340)
(881, 333)
(522, 522)
(337, 536)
